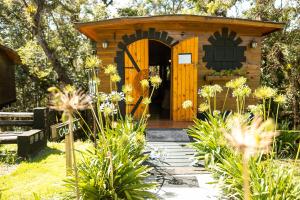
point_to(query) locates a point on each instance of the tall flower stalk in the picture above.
(69, 100)
(265, 94)
(155, 82)
(234, 85)
(209, 92)
(250, 140)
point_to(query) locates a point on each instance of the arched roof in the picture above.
(179, 22)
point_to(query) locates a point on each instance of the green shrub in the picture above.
(115, 170)
(286, 145)
(209, 139)
(268, 181)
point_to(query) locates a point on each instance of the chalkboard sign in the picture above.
(59, 131)
(224, 51)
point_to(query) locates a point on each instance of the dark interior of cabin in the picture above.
(160, 64)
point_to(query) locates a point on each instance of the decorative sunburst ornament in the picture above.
(224, 52)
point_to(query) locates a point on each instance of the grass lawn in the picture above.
(42, 176)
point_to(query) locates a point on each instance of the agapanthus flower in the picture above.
(103, 97)
(243, 91)
(256, 109)
(203, 107)
(144, 83)
(127, 89)
(209, 91)
(217, 88)
(129, 99)
(251, 139)
(108, 108)
(280, 99)
(187, 104)
(155, 81)
(264, 92)
(110, 69)
(115, 96)
(115, 78)
(69, 99)
(146, 101)
(92, 62)
(236, 83)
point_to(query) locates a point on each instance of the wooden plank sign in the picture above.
(59, 130)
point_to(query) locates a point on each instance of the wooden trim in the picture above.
(12, 55)
(132, 60)
(136, 105)
(177, 18)
(16, 114)
(220, 78)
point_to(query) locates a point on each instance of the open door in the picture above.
(136, 69)
(184, 79)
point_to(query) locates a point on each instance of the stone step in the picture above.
(167, 135)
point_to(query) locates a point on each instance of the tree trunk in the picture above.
(50, 53)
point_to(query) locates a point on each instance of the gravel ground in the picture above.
(7, 169)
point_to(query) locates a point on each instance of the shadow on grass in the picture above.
(43, 154)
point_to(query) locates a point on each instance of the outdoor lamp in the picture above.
(105, 44)
(253, 44)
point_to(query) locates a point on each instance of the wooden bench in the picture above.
(31, 141)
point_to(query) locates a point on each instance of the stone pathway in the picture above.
(179, 175)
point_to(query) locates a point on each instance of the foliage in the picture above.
(51, 49)
(209, 138)
(114, 168)
(268, 180)
(251, 171)
(118, 173)
(280, 50)
(229, 72)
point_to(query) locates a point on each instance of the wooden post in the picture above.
(68, 149)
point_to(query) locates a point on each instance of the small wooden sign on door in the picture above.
(185, 58)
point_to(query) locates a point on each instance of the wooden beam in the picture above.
(16, 123)
(16, 114)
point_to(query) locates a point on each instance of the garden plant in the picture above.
(245, 150)
(114, 168)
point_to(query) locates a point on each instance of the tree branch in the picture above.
(37, 32)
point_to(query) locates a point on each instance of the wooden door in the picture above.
(136, 69)
(184, 79)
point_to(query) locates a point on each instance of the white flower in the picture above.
(115, 96)
(110, 69)
(280, 99)
(203, 107)
(103, 97)
(253, 138)
(127, 88)
(108, 108)
(155, 81)
(187, 104)
(115, 78)
(146, 101)
(264, 92)
(144, 83)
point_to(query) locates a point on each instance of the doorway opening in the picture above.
(160, 64)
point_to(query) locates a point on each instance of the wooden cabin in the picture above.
(8, 60)
(187, 51)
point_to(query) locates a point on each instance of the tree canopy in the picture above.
(53, 51)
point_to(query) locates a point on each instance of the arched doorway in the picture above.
(144, 58)
(160, 64)
(175, 63)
